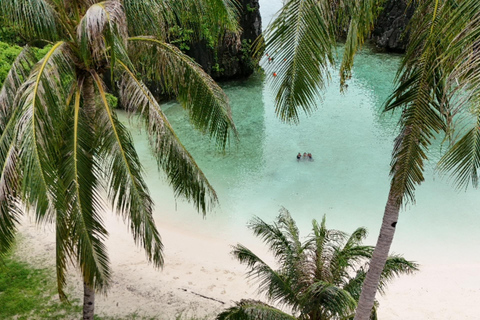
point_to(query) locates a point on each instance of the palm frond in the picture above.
(18, 73)
(253, 310)
(79, 225)
(36, 19)
(276, 286)
(183, 173)
(101, 24)
(9, 199)
(423, 113)
(324, 243)
(363, 14)
(463, 158)
(9, 161)
(347, 258)
(394, 267)
(283, 249)
(205, 101)
(125, 184)
(355, 283)
(149, 17)
(41, 102)
(301, 41)
(286, 222)
(329, 300)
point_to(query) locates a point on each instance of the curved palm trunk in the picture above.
(379, 257)
(88, 302)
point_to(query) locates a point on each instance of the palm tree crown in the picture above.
(319, 278)
(62, 147)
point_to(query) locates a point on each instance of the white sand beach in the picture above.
(200, 277)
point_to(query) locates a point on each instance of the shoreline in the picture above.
(201, 278)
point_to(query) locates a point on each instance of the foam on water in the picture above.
(351, 142)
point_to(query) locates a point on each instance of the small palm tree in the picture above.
(62, 147)
(317, 279)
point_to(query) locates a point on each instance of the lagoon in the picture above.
(351, 141)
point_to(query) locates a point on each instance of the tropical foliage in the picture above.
(62, 146)
(319, 278)
(436, 83)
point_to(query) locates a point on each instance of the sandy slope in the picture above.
(200, 277)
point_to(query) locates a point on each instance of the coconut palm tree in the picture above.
(437, 79)
(63, 150)
(317, 279)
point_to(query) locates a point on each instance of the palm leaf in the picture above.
(347, 258)
(9, 161)
(148, 17)
(301, 41)
(323, 244)
(363, 14)
(18, 73)
(275, 285)
(394, 267)
(423, 113)
(97, 30)
(41, 102)
(328, 299)
(463, 158)
(205, 101)
(253, 310)
(183, 173)
(283, 249)
(9, 203)
(125, 184)
(81, 226)
(36, 19)
(206, 18)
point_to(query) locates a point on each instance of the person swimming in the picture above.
(310, 157)
(299, 156)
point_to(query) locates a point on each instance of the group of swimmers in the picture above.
(306, 156)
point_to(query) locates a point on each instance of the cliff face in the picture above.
(232, 58)
(389, 32)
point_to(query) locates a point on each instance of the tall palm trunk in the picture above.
(88, 302)
(88, 93)
(379, 257)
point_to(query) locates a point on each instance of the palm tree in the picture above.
(317, 279)
(63, 149)
(437, 80)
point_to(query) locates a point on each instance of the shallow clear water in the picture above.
(351, 142)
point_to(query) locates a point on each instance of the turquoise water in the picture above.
(351, 141)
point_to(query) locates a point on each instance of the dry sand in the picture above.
(200, 277)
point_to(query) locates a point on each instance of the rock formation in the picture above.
(232, 59)
(389, 32)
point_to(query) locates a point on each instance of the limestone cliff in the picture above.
(389, 32)
(232, 59)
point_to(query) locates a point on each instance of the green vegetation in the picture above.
(8, 54)
(181, 37)
(250, 8)
(27, 292)
(319, 278)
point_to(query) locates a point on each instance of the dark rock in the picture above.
(233, 58)
(389, 32)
